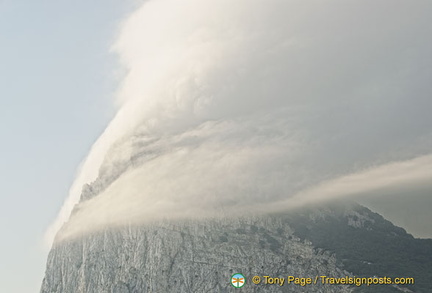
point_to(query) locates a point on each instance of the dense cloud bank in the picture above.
(231, 107)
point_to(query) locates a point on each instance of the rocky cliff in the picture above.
(200, 256)
(188, 257)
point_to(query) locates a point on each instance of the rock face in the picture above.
(366, 244)
(188, 257)
(201, 256)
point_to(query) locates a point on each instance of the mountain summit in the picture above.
(334, 240)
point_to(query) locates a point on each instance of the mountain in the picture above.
(185, 257)
(366, 244)
(336, 240)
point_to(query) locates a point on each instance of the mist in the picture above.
(237, 107)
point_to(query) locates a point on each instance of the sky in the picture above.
(57, 80)
(248, 103)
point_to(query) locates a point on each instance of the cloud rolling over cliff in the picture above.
(242, 106)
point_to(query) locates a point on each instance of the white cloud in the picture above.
(253, 101)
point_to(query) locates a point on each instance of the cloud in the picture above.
(240, 103)
(415, 172)
(184, 185)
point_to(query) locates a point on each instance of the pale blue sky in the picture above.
(57, 80)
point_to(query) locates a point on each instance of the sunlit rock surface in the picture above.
(188, 257)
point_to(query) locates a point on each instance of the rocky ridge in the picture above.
(188, 256)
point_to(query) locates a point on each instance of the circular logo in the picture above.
(238, 280)
(256, 280)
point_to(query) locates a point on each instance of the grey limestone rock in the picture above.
(188, 256)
